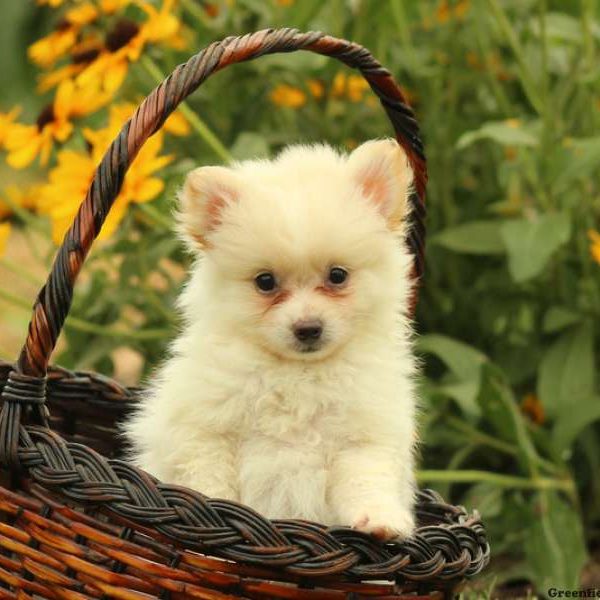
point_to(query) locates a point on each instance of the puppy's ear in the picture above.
(206, 193)
(381, 171)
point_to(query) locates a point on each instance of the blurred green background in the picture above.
(508, 96)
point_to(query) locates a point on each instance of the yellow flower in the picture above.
(83, 54)
(25, 142)
(4, 233)
(71, 178)
(316, 88)
(351, 86)
(125, 42)
(288, 96)
(594, 245)
(445, 11)
(46, 51)
(338, 87)
(162, 26)
(533, 408)
(357, 86)
(53, 3)
(6, 122)
(284, 2)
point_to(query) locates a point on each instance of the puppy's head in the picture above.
(301, 254)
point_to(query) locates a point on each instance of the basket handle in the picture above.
(54, 299)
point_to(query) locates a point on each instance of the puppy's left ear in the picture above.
(383, 175)
(206, 194)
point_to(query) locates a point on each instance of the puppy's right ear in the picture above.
(205, 195)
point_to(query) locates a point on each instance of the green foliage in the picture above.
(508, 97)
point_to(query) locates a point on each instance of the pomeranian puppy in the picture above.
(290, 388)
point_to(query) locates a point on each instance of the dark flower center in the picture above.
(46, 116)
(121, 34)
(84, 57)
(62, 25)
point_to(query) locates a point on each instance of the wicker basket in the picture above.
(76, 521)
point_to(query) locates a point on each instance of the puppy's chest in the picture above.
(295, 408)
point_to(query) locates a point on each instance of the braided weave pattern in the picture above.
(449, 545)
(54, 299)
(455, 549)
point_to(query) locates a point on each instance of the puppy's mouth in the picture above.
(310, 347)
(304, 349)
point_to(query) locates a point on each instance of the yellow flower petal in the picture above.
(114, 218)
(82, 14)
(288, 96)
(338, 87)
(316, 88)
(148, 189)
(357, 86)
(4, 233)
(111, 6)
(49, 80)
(46, 51)
(114, 77)
(7, 123)
(23, 156)
(177, 124)
(594, 237)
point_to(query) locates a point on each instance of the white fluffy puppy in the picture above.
(290, 388)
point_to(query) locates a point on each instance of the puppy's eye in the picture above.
(265, 281)
(337, 275)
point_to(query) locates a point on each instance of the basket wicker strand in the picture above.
(76, 521)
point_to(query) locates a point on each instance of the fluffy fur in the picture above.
(240, 410)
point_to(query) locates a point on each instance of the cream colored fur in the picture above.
(237, 411)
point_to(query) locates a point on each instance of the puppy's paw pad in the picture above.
(385, 525)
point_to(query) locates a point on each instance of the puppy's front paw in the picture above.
(385, 523)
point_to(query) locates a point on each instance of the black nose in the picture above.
(308, 331)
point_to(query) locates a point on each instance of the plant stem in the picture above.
(403, 29)
(86, 326)
(513, 41)
(195, 11)
(500, 445)
(507, 481)
(199, 126)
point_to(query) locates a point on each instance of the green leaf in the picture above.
(582, 161)
(463, 360)
(505, 133)
(476, 237)
(485, 498)
(500, 409)
(560, 26)
(572, 423)
(465, 364)
(557, 318)
(567, 372)
(249, 146)
(554, 544)
(531, 243)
